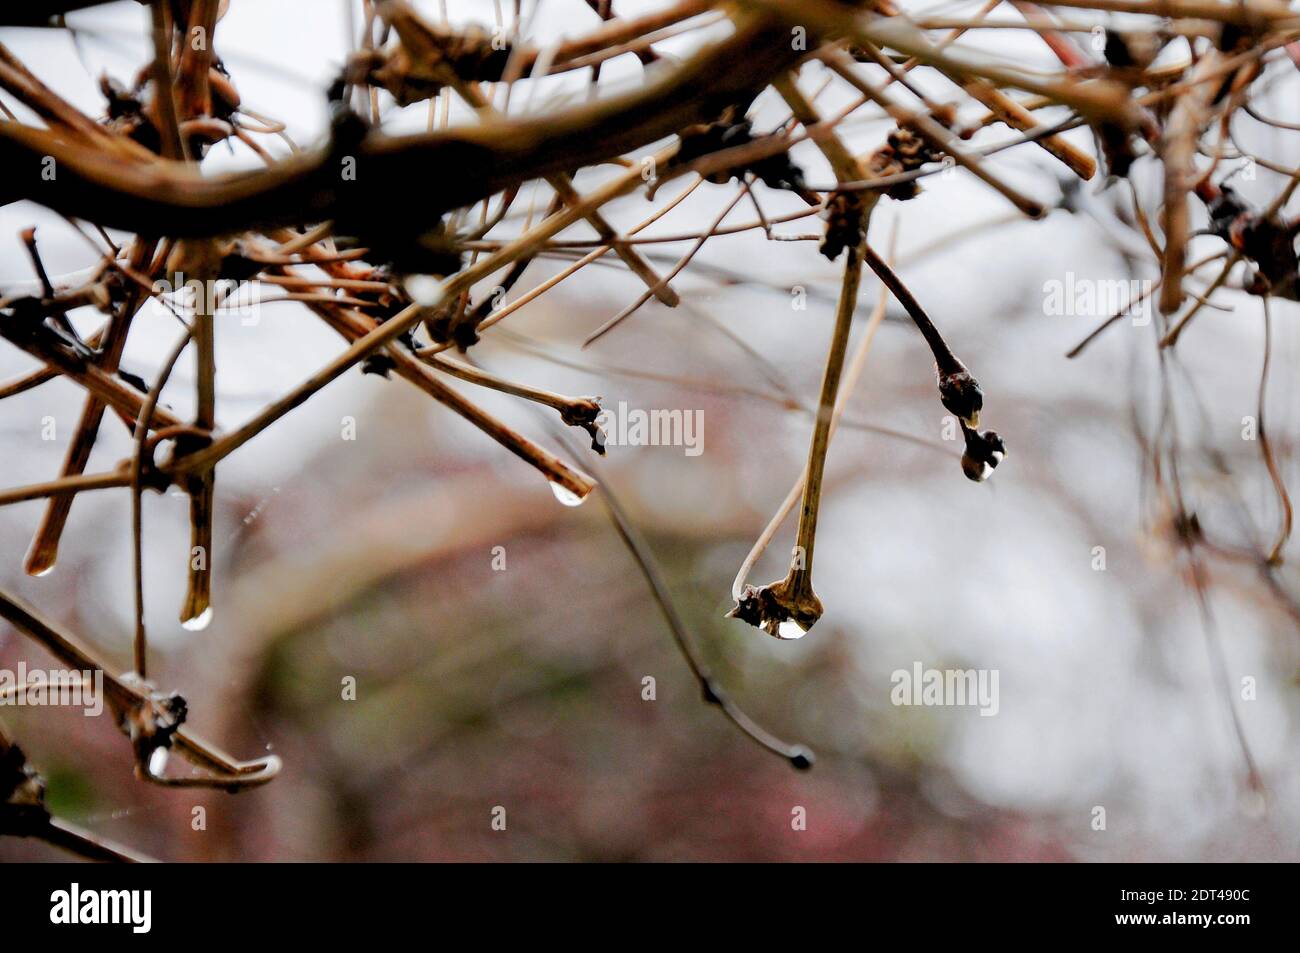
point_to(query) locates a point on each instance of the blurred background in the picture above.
(477, 686)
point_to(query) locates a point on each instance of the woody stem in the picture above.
(806, 536)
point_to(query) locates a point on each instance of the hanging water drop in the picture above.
(199, 622)
(790, 629)
(565, 495)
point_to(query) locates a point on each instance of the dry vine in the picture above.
(407, 292)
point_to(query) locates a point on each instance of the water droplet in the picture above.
(976, 470)
(565, 495)
(199, 622)
(790, 629)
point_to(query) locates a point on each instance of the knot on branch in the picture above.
(185, 440)
(960, 393)
(846, 223)
(126, 114)
(22, 794)
(1238, 37)
(235, 265)
(1127, 58)
(396, 246)
(1269, 243)
(452, 323)
(785, 610)
(703, 139)
(386, 306)
(133, 112)
(903, 151)
(430, 57)
(152, 722)
(1185, 528)
(1117, 147)
(585, 412)
(1131, 51)
(41, 327)
(152, 477)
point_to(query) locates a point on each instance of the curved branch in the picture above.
(455, 167)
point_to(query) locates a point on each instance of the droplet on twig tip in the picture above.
(565, 495)
(199, 622)
(790, 629)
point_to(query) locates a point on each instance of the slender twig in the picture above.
(140, 644)
(1266, 447)
(64, 486)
